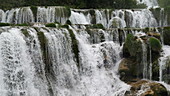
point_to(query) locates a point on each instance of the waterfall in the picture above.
(81, 60)
(78, 18)
(121, 18)
(41, 62)
(150, 63)
(144, 60)
(163, 60)
(97, 62)
(17, 69)
(149, 3)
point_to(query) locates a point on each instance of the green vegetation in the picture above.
(115, 4)
(24, 24)
(155, 44)
(4, 24)
(50, 25)
(64, 26)
(132, 46)
(95, 26)
(164, 3)
(9, 24)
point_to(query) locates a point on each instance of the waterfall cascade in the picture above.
(78, 60)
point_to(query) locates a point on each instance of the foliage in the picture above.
(116, 4)
(164, 3)
(155, 44)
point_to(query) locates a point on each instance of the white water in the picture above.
(121, 18)
(144, 61)
(163, 60)
(17, 69)
(99, 62)
(24, 73)
(149, 3)
(150, 63)
(78, 18)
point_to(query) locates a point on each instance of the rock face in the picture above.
(147, 88)
(139, 52)
(128, 70)
(166, 35)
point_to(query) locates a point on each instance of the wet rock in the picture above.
(128, 70)
(146, 88)
(166, 35)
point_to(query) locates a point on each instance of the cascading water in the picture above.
(149, 3)
(17, 69)
(97, 62)
(150, 63)
(33, 64)
(42, 61)
(144, 60)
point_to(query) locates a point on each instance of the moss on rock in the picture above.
(4, 24)
(25, 32)
(155, 44)
(132, 46)
(155, 89)
(50, 25)
(95, 26)
(74, 46)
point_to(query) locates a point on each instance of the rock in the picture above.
(128, 70)
(154, 34)
(155, 44)
(132, 46)
(166, 35)
(146, 88)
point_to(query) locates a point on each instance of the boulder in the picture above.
(129, 71)
(146, 88)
